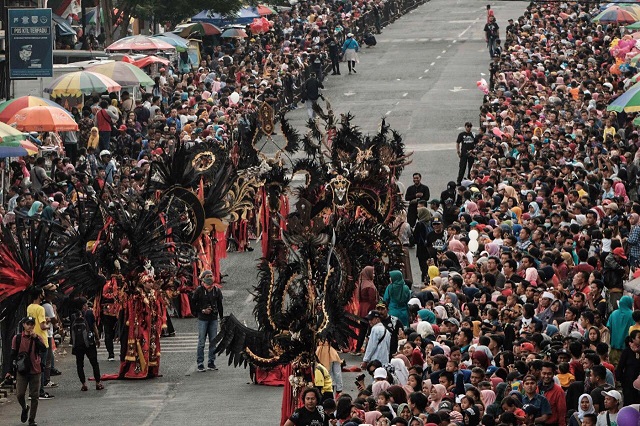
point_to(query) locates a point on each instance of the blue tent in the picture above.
(244, 16)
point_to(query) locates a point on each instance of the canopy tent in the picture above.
(62, 26)
(244, 16)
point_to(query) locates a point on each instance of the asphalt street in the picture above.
(422, 78)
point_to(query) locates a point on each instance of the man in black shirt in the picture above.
(414, 194)
(465, 144)
(334, 55)
(492, 33)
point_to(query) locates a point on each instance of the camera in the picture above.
(360, 377)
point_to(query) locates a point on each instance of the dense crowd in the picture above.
(523, 315)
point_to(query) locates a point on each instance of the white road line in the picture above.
(454, 41)
(432, 63)
(404, 95)
(426, 71)
(420, 78)
(444, 51)
(410, 39)
(387, 113)
(436, 39)
(468, 28)
(438, 57)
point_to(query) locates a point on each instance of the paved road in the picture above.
(422, 77)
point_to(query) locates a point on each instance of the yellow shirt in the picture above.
(37, 312)
(322, 379)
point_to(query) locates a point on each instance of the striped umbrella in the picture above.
(629, 101)
(139, 43)
(234, 32)
(43, 119)
(14, 144)
(81, 82)
(10, 107)
(123, 73)
(180, 44)
(615, 15)
(202, 28)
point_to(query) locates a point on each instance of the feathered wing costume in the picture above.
(310, 266)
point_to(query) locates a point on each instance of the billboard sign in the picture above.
(30, 43)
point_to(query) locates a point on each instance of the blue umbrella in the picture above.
(181, 44)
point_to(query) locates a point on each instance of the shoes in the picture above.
(46, 395)
(212, 366)
(349, 72)
(354, 71)
(84, 388)
(33, 423)
(99, 386)
(111, 358)
(50, 384)
(338, 73)
(55, 372)
(334, 73)
(25, 414)
(201, 368)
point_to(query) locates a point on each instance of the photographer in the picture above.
(29, 343)
(207, 301)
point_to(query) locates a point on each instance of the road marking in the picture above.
(436, 39)
(397, 103)
(432, 64)
(249, 297)
(438, 57)
(410, 39)
(457, 89)
(397, 79)
(423, 39)
(387, 113)
(420, 78)
(448, 46)
(430, 147)
(156, 412)
(454, 41)
(404, 95)
(467, 21)
(444, 51)
(349, 93)
(426, 71)
(468, 28)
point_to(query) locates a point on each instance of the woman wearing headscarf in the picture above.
(480, 359)
(36, 209)
(367, 296)
(472, 209)
(398, 394)
(397, 296)
(534, 209)
(94, 138)
(436, 395)
(461, 254)
(400, 370)
(371, 417)
(488, 397)
(517, 211)
(585, 406)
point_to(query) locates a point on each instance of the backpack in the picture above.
(80, 333)
(23, 360)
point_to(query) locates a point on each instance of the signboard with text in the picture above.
(30, 43)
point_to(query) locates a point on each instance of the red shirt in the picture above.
(25, 343)
(104, 121)
(558, 403)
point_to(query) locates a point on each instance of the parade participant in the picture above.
(85, 341)
(25, 352)
(110, 310)
(207, 301)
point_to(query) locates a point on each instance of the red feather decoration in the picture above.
(13, 279)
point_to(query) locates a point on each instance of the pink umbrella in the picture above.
(139, 43)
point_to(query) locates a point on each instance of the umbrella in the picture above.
(615, 14)
(14, 144)
(123, 73)
(234, 32)
(81, 82)
(43, 119)
(264, 10)
(139, 43)
(202, 28)
(634, 26)
(62, 26)
(10, 107)
(146, 61)
(629, 101)
(180, 44)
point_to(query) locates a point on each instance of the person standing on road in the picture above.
(35, 310)
(104, 123)
(350, 52)
(492, 34)
(311, 94)
(465, 145)
(207, 300)
(50, 314)
(31, 343)
(334, 55)
(414, 194)
(110, 311)
(379, 344)
(84, 339)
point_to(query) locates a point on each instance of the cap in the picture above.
(445, 405)
(436, 220)
(28, 320)
(350, 35)
(122, 128)
(380, 373)
(381, 304)
(453, 321)
(527, 347)
(373, 314)
(104, 152)
(548, 295)
(613, 394)
(434, 201)
(620, 252)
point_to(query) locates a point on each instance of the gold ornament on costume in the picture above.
(203, 161)
(266, 114)
(340, 187)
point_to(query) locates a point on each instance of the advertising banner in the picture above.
(30, 43)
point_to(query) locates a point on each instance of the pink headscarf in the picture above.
(492, 249)
(531, 275)
(620, 191)
(487, 397)
(371, 417)
(441, 391)
(472, 209)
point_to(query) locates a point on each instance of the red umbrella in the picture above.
(151, 59)
(265, 10)
(259, 26)
(139, 43)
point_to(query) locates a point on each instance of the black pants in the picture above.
(335, 64)
(466, 162)
(71, 151)
(109, 324)
(362, 334)
(91, 353)
(423, 255)
(352, 66)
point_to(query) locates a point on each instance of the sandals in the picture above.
(99, 386)
(84, 388)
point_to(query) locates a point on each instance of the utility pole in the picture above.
(5, 87)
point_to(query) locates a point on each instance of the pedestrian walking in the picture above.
(465, 145)
(51, 317)
(311, 94)
(492, 34)
(334, 55)
(350, 52)
(37, 311)
(207, 300)
(25, 353)
(84, 341)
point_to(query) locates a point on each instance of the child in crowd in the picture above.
(564, 376)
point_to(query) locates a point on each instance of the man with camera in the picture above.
(207, 300)
(25, 353)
